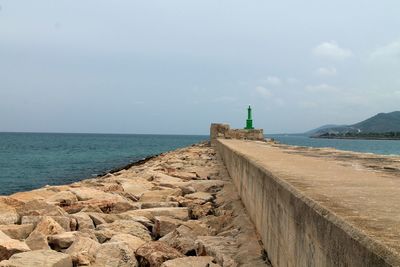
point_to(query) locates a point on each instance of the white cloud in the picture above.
(390, 51)
(326, 71)
(264, 92)
(331, 50)
(321, 88)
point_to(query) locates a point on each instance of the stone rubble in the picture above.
(176, 209)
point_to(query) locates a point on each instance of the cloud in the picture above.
(331, 50)
(264, 92)
(390, 51)
(321, 88)
(326, 71)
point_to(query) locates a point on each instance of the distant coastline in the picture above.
(364, 136)
(355, 138)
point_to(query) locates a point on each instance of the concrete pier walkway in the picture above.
(357, 193)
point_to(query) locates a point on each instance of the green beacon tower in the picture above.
(249, 121)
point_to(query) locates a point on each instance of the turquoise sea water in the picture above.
(32, 160)
(386, 147)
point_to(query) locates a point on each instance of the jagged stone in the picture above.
(8, 214)
(17, 231)
(84, 221)
(203, 196)
(133, 242)
(164, 225)
(42, 258)
(149, 205)
(63, 198)
(83, 250)
(68, 223)
(160, 195)
(202, 261)
(40, 208)
(126, 227)
(96, 218)
(62, 241)
(9, 246)
(154, 253)
(180, 213)
(184, 237)
(223, 249)
(115, 254)
(37, 240)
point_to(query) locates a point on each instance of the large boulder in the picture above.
(38, 258)
(83, 250)
(133, 242)
(184, 237)
(8, 214)
(164, 225)
(17, 231)
(84, 221)
(202, 197)
(160, 195)
(115, 254)
(66, 222)
(9, 246)
(37, 240)
(154, 253)
(40, 208)
(126, 227)
(136, 186)
(63, 198)
(223, 249)
(180, 213)
(202, 261)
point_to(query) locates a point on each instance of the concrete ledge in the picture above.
(295, 229)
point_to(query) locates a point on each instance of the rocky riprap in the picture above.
(177, 209)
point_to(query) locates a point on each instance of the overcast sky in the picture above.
(176, 66)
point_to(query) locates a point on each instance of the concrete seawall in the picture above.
(308, 218)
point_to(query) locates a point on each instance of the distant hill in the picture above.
(380, 123)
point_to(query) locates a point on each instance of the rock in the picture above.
(86, 193)
(136, 186)
(42, 258)
(210, 186)
(17, 231)
(148, 205)
(160, 195)
(223, 249)
(63, 198)
(184, 237)
(40, 208)
(96, 218)
(202, 196)
(154, 253)
(180, 213)
(164, 225)
(109, 204)
(115, 254)
(202, 261)
(9, 246)
(133, 242)
(126, 227)
(184, 175)
(69, 224)
(83, 250)
(37, 240)
(198, 211)
(8, 214)
(84, 221)
(61, 241)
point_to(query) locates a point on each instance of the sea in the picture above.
(33, 160)
(384, 147)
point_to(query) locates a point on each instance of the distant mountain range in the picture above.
(380, 123)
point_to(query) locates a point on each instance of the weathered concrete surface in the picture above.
(311, 210)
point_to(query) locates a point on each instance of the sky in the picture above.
(174, 67)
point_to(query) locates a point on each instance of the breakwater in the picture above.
(176, 209)
(318, 207)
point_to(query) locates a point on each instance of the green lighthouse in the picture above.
(249, 121)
